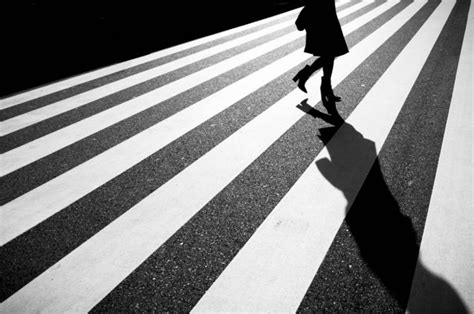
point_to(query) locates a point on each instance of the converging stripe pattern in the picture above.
(199, 178)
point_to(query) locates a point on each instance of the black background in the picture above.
(50, 40)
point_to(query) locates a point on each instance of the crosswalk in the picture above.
(198, 178)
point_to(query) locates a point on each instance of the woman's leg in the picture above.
(325, 62)
(304, 74)
(326, 88)
(328, 65)
(317, 64)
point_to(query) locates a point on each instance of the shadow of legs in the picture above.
(385, 236)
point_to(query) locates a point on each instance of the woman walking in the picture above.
(324, 38)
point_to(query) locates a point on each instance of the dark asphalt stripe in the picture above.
(176, 276)
(60, 121)
(39, 248)
(370, 264)
(81, 88)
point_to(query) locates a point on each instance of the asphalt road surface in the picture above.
(200, 178)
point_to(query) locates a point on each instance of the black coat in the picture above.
(324, 35)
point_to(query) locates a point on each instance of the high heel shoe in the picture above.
(326, 90)
(302, 76)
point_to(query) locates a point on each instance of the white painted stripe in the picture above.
(35, 206)
(276, 266)
(46, 112)
(103, 261)
(29, 118)
(448, 240)
(48, 89)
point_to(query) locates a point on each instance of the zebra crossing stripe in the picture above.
(448, 240)
(103, 261)
(276, 266)
(33, 207)
(49, 89)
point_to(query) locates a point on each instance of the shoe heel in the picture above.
(326, 89)
(297, 77)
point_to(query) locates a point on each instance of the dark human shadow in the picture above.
(386, 238)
